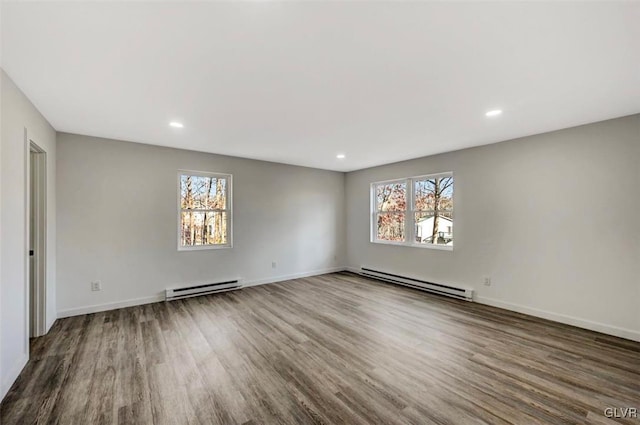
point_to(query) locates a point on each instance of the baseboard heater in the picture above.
(438, 288)
(197, 290)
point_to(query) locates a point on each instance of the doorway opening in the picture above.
(37, 238)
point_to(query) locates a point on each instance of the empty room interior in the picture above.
(319, 212)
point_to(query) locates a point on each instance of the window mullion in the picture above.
(409, 228)
(203, 210)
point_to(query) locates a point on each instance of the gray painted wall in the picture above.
(552, 218)
(19, 114)
(117, 222)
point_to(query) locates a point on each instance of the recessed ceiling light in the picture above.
(176, 124)
(341, 156)
(494, 113)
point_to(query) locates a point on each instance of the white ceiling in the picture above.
(299, 82)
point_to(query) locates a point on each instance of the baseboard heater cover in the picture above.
(437, 288)
(197, 290)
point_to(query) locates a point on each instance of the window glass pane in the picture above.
(203, 228)
(390, 226)
(197, 192)
(391, 197)
(433, 194)
(216, 229)
(434, 229)
(219, 199)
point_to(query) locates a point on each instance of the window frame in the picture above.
(228, 210)
(409, 213)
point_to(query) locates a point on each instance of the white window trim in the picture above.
(228, 210)
(409, 218)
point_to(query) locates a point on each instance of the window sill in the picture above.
(415, 245)
(204, 247)
(430, 246)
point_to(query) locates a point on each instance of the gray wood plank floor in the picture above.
(333, 349)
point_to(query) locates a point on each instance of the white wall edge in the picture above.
(562, 318)
(160, 297)
(109, 306)
(12, 376)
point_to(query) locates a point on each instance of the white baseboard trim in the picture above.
(14, 372)
(109, 306)
(563, 318)
(160, 297)
(50, 324)
(274, 279)
(555, 317)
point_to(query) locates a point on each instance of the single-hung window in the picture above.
(204, 204)
(390, 205)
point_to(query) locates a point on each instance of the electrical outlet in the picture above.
(274, 264)
(487, 281)
(96, 285)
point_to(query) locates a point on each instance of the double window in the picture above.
(416, 211)
(204, 210)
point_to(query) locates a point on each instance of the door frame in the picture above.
(36, 296)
